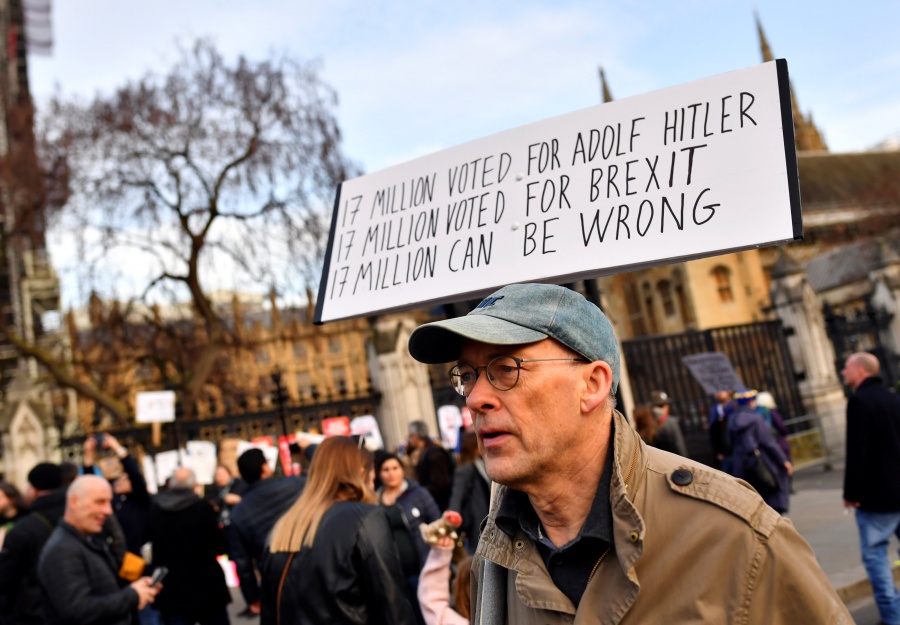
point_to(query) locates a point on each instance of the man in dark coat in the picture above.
(78, 573)
(20, 592)
(265, 500)
(434, 470)
(186, 539)
(871, 483)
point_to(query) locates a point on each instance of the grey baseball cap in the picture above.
(519, 314)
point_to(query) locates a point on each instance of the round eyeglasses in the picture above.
(502, 373)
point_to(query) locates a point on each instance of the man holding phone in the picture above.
(78, 574)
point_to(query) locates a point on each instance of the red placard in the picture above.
(336, 426)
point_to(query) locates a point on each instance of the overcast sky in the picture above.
(416, 77)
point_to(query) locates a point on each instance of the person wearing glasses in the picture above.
(588, 523)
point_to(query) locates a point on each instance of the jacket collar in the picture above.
(872, 380)
(629, 472)
(92, 541)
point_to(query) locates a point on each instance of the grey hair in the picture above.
(183, 478)
(611, 402)
(418, 428)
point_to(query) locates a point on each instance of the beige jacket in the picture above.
(701, 547)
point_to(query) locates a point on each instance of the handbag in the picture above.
(758, 473)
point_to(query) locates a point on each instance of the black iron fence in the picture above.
(243, 426)
(865, 330)
(758, 352)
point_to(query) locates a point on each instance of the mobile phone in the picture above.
(99, 438)
(158, 575)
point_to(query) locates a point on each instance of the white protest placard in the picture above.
(367, 427)
(202, 458)
(713, 371)
(449, 421)
(155, 407)
(166, 463)
(149, 468)
(268, 449)
(694, 170)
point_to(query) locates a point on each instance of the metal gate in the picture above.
(863, 331)
(758, 352)
(244, 426)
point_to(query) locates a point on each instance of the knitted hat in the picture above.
(45, 476)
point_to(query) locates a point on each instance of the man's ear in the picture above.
(598, 383)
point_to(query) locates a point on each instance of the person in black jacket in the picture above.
(434, 469)
(407, 506)
(265, 499)
(871, 483)
(186, 539)
(349, 574)
(78, 573)
(471, 495)
(20, 592)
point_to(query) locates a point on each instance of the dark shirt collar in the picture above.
(516, 512)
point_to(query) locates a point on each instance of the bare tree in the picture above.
(212, 175)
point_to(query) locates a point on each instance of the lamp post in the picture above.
(279, 396)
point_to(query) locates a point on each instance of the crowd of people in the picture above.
(747, 436)
(81, 545)
(590, 520)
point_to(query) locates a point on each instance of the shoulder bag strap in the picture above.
(281, 587)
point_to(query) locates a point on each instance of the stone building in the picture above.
(29, 288)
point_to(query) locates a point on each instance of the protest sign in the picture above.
(336, 426)
(263, 443)
(155, 407)
(367, 427)
(694, 170)
(713, 371)
(449, 421)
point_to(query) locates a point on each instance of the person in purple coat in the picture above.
(748, 433)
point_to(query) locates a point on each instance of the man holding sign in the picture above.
(589, 523)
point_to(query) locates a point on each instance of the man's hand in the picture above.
(110, 442)
(146, 592)
(255, 607)
(851, 504)
(789, 467)
(232, 500)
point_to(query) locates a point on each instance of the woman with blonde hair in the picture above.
(331, 558)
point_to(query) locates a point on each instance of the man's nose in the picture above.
(483, 395)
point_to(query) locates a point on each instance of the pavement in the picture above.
(817, 511)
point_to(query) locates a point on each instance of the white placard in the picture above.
(694, 170)
(367, 427)
(149, 467)
(449, 421)
(155, 407)
(166, 463)
(202, 459)
(269, 451)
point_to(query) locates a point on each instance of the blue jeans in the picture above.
(875, 530)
